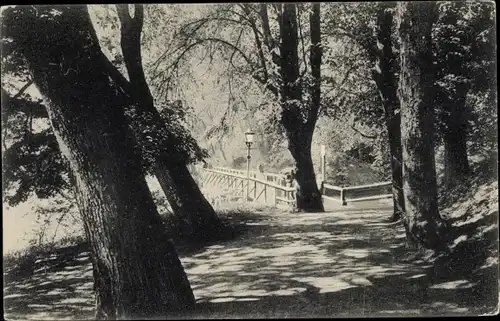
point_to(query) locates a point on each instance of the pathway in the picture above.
(349, 263)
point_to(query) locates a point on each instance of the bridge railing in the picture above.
(357, 193)
(273, 189)
(270, 177)
(270, 190)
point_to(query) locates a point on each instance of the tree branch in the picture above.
(157, 62)
(258, 43)
(22, 90)
(299, 25)
(124, 15)
(230, 45)
(371, 49)
(7, 100)
(131, 29)
(362, 134)
(246, 8)
(269, 41)
(346, 76)
(316, 53)
(139, 16)
(234, 51)
(117, 76)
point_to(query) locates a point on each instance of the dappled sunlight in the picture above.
(328, 284)
(285, 263)
(351, 221)
(61, 288)
(459, 284)
(302, 258)
(321, 264)
(358, 253)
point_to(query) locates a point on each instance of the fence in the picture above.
(357, 193)
(272, 188)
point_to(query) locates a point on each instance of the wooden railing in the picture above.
(270, 189)
(357, 193)
(273, 189)
(269, 177)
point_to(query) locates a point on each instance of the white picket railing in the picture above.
(270, 189)
(273, 189)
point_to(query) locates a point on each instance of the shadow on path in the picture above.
(61, 287)
(351, 263)
(329, 264)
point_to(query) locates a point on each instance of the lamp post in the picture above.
(323, 161)
(249, 135)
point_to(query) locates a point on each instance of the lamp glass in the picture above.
(323, 150)
(249, 136)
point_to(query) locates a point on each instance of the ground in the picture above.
(342, 263)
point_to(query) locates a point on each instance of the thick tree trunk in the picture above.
(136, 269)
(416, 94)
(386, 81)
(394, 131)
(456, 163)
(308, 197)
(196, 216)
(299, 134)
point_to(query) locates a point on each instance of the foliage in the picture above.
(463, 38)
(34, 164)
(204, 69)
(107, 24)
(32, 160)
(483, 135)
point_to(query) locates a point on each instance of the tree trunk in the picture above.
(394, 131)
(456, 163)
(386, 81)
(196, 216)
(308, 197)
(137, 272)
(416, 94)
(299, 133)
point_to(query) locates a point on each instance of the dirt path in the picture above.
(284, 265)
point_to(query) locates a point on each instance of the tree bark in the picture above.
(137, 272)
(416, 95)
(198, 220)
(197, 217)
(385, 78)
(299, 133)
(394, 131)
(315, 59)
(456, 163)
(308, 197)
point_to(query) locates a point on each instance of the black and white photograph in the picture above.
(249, 160)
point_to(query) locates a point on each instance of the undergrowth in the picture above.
(21, 263)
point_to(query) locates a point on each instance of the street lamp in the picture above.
(323, 161)
(249, 135)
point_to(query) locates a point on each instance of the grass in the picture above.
(20, 264)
